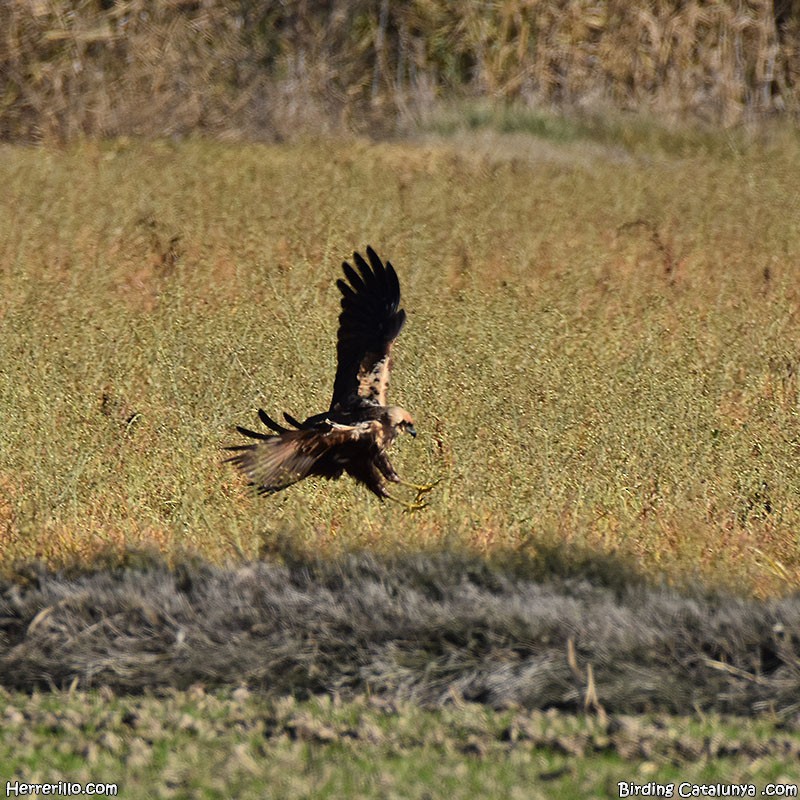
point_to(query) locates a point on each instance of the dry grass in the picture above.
(250, 69)
(432, 629)
(600, 354)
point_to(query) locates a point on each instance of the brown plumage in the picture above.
(354, 434)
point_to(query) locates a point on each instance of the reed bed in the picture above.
(272, 71)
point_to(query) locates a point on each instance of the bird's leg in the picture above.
(417, 505)
(385, 466)
(422, 488)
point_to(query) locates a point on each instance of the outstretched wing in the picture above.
(277, 461)
(370, 321)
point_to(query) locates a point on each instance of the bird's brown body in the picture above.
(354, 434)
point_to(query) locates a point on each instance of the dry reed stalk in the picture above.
(171, 67)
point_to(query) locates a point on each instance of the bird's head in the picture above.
(401, 420)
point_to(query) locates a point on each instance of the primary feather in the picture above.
(370, 321)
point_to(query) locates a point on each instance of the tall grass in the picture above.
(601, 349)
(275, 70)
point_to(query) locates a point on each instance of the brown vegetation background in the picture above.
(271, 70)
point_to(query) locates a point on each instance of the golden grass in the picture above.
(601, 354)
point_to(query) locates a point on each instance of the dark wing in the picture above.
(370, 321)
(277, 461)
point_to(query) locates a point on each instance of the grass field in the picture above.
(602, 347)
(601, 355)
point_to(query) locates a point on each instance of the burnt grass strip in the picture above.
(427, 628)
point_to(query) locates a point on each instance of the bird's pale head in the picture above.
(401, 420)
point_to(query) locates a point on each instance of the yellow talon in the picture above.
(417, 505)
(423, 488)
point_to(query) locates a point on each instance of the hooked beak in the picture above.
(410, 429)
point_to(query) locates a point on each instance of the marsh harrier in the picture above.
(358, 428)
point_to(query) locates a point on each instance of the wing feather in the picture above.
(353, 277)
(291, 420)
(369, 278)
(252, 434)
(269, 422)
(370, 321)
(277, 461)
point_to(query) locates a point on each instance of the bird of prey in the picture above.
(358, 428)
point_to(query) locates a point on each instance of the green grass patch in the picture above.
(635, 133)
(237, 743)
